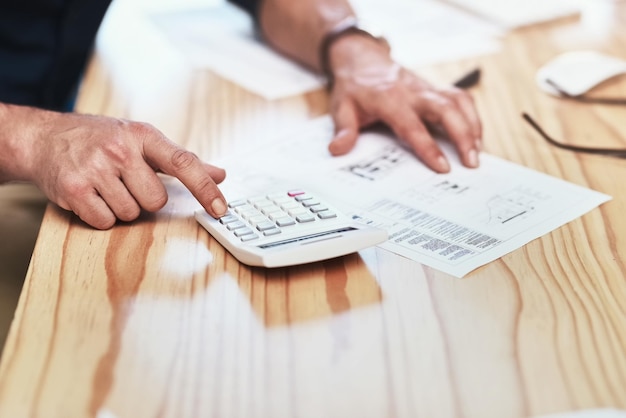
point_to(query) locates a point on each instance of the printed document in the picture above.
(453, 222)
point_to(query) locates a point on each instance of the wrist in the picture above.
(350, 43)
(18, 137)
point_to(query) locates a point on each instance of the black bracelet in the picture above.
(346, 26)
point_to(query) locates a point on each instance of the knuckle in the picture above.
(142, 129)
(118, 150)
(73, 187)
(156, 202)
(128, 212)
(102, 222)
(206, 186)
(182, 159)
(97, 219)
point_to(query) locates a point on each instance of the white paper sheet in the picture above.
(453, 222)
(222, 39)
(517, 13)
(421, 32)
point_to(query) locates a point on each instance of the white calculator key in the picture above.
(294, 213)
(249, 237)
(326, 214)
(243, 231)
(250, 214)
(291, 205)
(270, 232)
(244, 208)
(236, 203)
(282, 200)
(269, 209)
(310, 202)
(285, 221)
(235, 225)
(228, 218)
(305, 217)
(254, 221)
(262, 226)
(255, 199)
(274, 216)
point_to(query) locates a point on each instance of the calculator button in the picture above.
(282, 200)
(305, 217)
(310, 202)
(269, 209)
(254, 221)
(272, 231)
(274, 216)
(294, 193)
(236, 203)
(326, 214)
(244, 208)
(285, 221)
(290, 205)
(255, 199)
(228, 219)
(297, 212)
(302, 197)
(251, 214)
(249, 237)
(261, 204)
(263, 226)
(243, 231)
(235, 225)
(318, 208)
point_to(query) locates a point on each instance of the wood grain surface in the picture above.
(154, 319)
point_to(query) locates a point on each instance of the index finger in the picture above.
(407, 125)
(187, 167)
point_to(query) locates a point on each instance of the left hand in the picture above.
(370, 87)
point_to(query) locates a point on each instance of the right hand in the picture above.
(105, 169)
(371, 87)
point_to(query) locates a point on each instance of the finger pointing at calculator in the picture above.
(105, 169)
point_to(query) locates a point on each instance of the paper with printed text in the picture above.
(453, 222)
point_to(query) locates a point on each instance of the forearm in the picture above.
(296, 27)
(17, 133)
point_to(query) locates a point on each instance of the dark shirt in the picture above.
(45, 44)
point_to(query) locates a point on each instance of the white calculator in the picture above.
(286, 228)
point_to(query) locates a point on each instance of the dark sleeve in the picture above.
(250, 6)
(44, 46)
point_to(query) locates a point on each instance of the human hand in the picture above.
(369, 87)
(103, 168)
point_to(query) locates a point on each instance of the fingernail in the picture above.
(218, 206)
(336, 147)
(443, 164)
(472, 158)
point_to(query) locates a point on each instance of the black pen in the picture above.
(468, 80)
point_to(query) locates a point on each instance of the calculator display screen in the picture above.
(305, 237)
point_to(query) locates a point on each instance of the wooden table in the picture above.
(155, 319)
